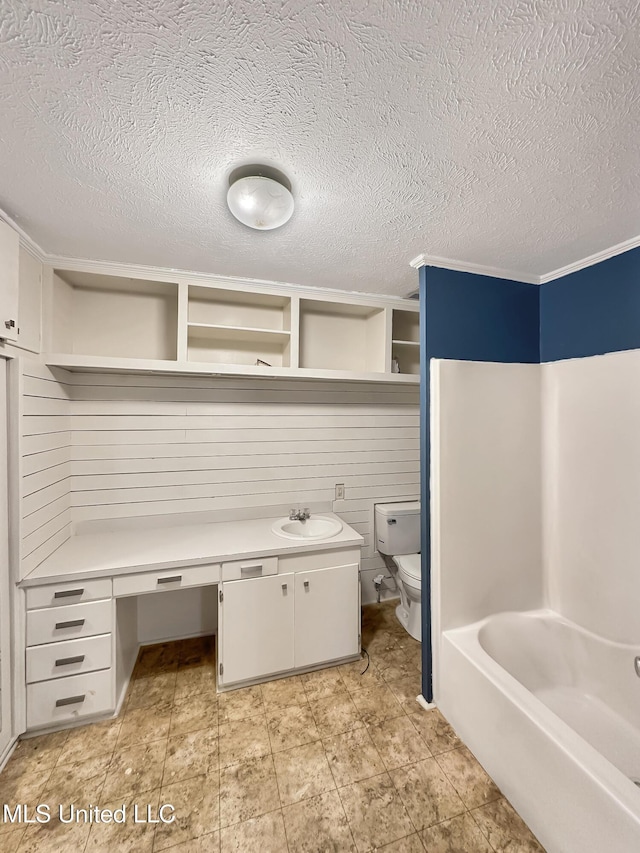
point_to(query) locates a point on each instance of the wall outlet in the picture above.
(339, 491)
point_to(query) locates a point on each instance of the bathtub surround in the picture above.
(476, 318)
(487, 490)
(591, 533)
(520, 524)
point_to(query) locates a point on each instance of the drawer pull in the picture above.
(65, 661)
(73, 623)
(70, 700)
(67, 593)
(284, 587)
(173, 579)
(306, 584)
(256, 567)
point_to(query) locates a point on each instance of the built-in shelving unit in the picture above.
(405, 340)
(125, 324)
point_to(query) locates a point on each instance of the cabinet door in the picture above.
(327, 615)
(9, 253)
(256, 627)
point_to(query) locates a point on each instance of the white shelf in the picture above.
(99, 364)
(406, 343)
(238, 333)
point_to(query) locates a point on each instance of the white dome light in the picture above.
(260, 203)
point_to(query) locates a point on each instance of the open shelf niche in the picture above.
(342, 336)
(238, 327)
(405, 340)
(113, 317)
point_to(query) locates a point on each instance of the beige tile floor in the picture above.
(330, 762)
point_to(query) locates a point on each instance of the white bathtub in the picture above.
(553, 713)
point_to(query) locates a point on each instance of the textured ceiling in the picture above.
(498, 133)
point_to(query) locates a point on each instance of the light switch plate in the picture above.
(339, 491)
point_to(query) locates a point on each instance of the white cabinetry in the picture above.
(69, 652)
(9, 282)
(326, 607)
(292, 620)
(256, 627)
(132, 324)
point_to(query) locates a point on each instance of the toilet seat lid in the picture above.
(411, 565)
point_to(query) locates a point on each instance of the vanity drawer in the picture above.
(256, 568)
(67, 699)
(68, 623)
(57, 595)
(57, 660)
(167, 579)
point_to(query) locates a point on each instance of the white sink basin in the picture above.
(316, 527)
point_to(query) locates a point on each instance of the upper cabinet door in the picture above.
(9, 254)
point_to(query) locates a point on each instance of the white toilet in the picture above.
(398, 537)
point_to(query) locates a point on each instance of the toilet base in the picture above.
(410, 620)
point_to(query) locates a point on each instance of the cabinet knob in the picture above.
(306, 584)
(10, 324)
(284, 587)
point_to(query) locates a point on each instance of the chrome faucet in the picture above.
(299, 514)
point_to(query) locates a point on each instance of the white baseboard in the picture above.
(6, 755)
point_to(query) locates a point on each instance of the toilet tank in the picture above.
(398, 528)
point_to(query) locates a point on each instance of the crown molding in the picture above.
(496, 272)
(476, 269)
(25, 240)
(589, 261)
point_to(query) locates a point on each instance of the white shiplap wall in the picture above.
(152, 445)
(45, 468)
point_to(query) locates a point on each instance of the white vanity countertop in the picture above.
(122, 552)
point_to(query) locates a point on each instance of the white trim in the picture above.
(589, 261)
(425, 260)
(25, 241)
(427, 706)
(8, 752)
(476, 269)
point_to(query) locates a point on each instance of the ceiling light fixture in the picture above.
(261, 201)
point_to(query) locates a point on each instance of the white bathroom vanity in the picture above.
(283, 605)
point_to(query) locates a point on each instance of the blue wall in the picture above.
(478, 318)
(592, 311)
(471, 318)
